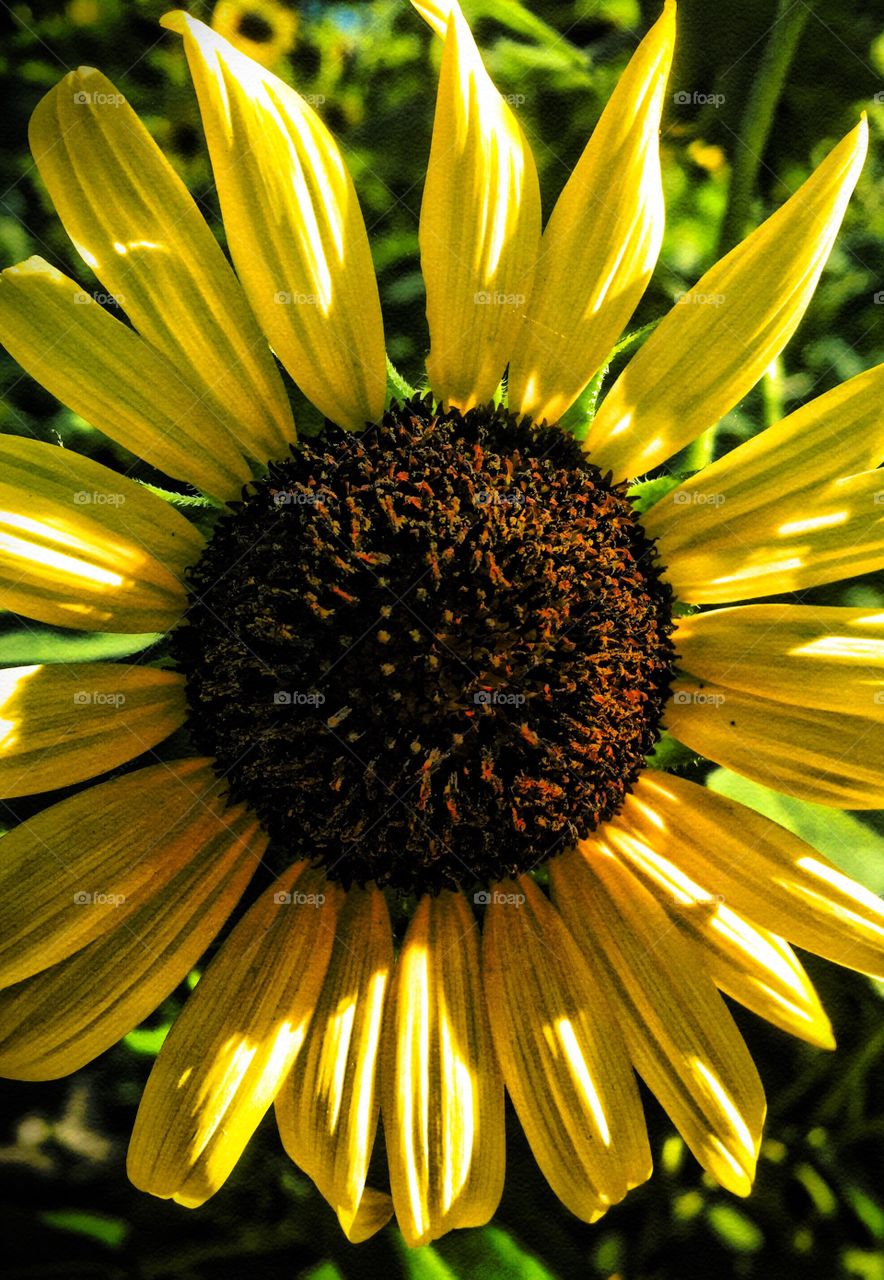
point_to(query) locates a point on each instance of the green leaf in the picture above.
(578, 419)
(31, 645)
(423, 1263)
(647, 493)
(147, 1040)
(397, 387)
(110, 1231)
(323, 1271)
(669, 753)
(491, 1252)
(734, 1229)
(849, 843)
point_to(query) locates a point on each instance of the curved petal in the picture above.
(713, 347)
(601, 243)
(135, 224)
(234, 1042)
(442, 1095)
(83, 547)
(828, 757)
(479, 224)
(108, 375)
(67, 722)
(786, 543)
(563, 1060)
(751, 965)
(327, 1110)
(760, 869)
(59, 1019)
(805, 655)
(294, 227)
(78, 869)
(677, 1028)
(838, 434)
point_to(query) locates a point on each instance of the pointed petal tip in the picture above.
(176, 20)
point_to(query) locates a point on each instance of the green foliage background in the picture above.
(818, 1210)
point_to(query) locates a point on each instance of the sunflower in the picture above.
(424, 656)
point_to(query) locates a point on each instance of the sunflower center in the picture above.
(431, 655)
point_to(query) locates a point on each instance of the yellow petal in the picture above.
(753, 966)
(58, 1020)
(715, 344)
(66, 722)
(681, 1038)
(563, 1060)
(442, 1095)
(479, 225)
(760, 869)
(81, 867)
(838, 434)
(108, 375)
(824, 756)
(327, 1110)
(235, 1041)
(813, 656)
(294, 227)
(601, 243)
(83, 547)
(788, 542)
(134, 223)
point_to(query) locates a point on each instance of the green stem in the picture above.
(757, 118)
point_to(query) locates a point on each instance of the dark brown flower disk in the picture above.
(431, 655)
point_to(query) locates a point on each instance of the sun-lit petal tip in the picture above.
(294, 227)
(479, 225)
(720, 337)
(442, 1094)
(601, 244)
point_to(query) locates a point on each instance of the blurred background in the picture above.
(760, 92)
